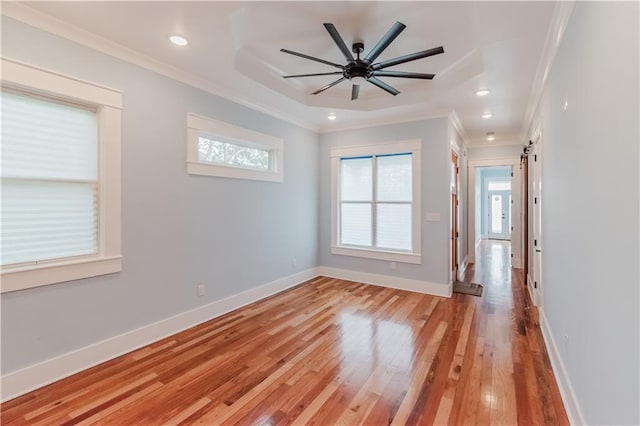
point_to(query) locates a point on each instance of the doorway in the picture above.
(454, 216)
(499, 215)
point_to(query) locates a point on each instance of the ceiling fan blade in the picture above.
(408, 58)
(385, 41)
(329, 86)
(384, 86)
(302, 55)
(312, 75)
(403, 74)
(339, 42)
(355, 90)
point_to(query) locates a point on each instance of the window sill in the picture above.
(391, 256)
(205, 169)
(21, 278)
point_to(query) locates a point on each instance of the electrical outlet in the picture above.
(200, 289)
(294, 262)
(394, 265)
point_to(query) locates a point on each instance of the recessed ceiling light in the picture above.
(487, 115)
(491, 136)
(483, 92)
(331, 116)
(178, 40)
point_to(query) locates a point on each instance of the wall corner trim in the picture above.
(35, 376)
(407, 284)
(566, 390)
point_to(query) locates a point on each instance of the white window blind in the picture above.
(49, 199)
(376, 202)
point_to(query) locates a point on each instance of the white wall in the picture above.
(590, 196)
(494, 152)
(178, 230)
(436, 161)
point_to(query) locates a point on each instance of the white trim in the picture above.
(203, 126)
(53, 273)
(35, 376)
(555, 33)
(55, 84)
(30, 16)
(569, 399)
(378, 121)
(108, 105)
(391, 256)
(407, 284)
(463, 268)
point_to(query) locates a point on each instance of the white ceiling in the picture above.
(234, 48)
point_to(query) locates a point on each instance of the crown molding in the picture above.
(560, 19)
(454, 118)
(55, 26)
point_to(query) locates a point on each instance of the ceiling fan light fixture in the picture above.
(358, 79)
(178, 40)
(483, 92)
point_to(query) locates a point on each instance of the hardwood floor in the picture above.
(329, 352)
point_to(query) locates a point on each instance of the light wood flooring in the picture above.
(329, 352)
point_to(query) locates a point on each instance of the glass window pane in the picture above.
(355, 224)
(43, 139)
(394, 226)
(499, 185)
(496, 214)
(356, 183)
(394, 177)
(215, 151)
(47, 220)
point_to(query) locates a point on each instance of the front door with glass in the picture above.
(499, 215)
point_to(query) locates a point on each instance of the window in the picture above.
(376, 194)
(60, 178)
(215, 148)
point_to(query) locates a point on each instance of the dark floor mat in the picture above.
(468, 288)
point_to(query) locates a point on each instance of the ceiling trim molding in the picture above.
(560, 19)
(55, 26)
(373, 122)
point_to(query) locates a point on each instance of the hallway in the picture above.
(515, 380)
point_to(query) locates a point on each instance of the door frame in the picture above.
(472, 243)
(455, 205)
(505, 212)
(534, 277)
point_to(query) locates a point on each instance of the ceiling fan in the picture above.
(360, 70)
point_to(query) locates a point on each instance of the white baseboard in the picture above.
(35, 376)
(562, 378)
(435, 289)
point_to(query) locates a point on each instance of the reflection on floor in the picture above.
(330, 352)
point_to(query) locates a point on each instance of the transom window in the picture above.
(377, 202)
(215, 148)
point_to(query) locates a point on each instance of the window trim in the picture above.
(412, 146)
(108, 104)
(199, 126)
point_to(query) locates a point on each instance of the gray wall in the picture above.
(436, 163)
(178, 230)
(590, 211)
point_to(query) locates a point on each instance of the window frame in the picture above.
(401, 147)
(199, 126)
(55, 87)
